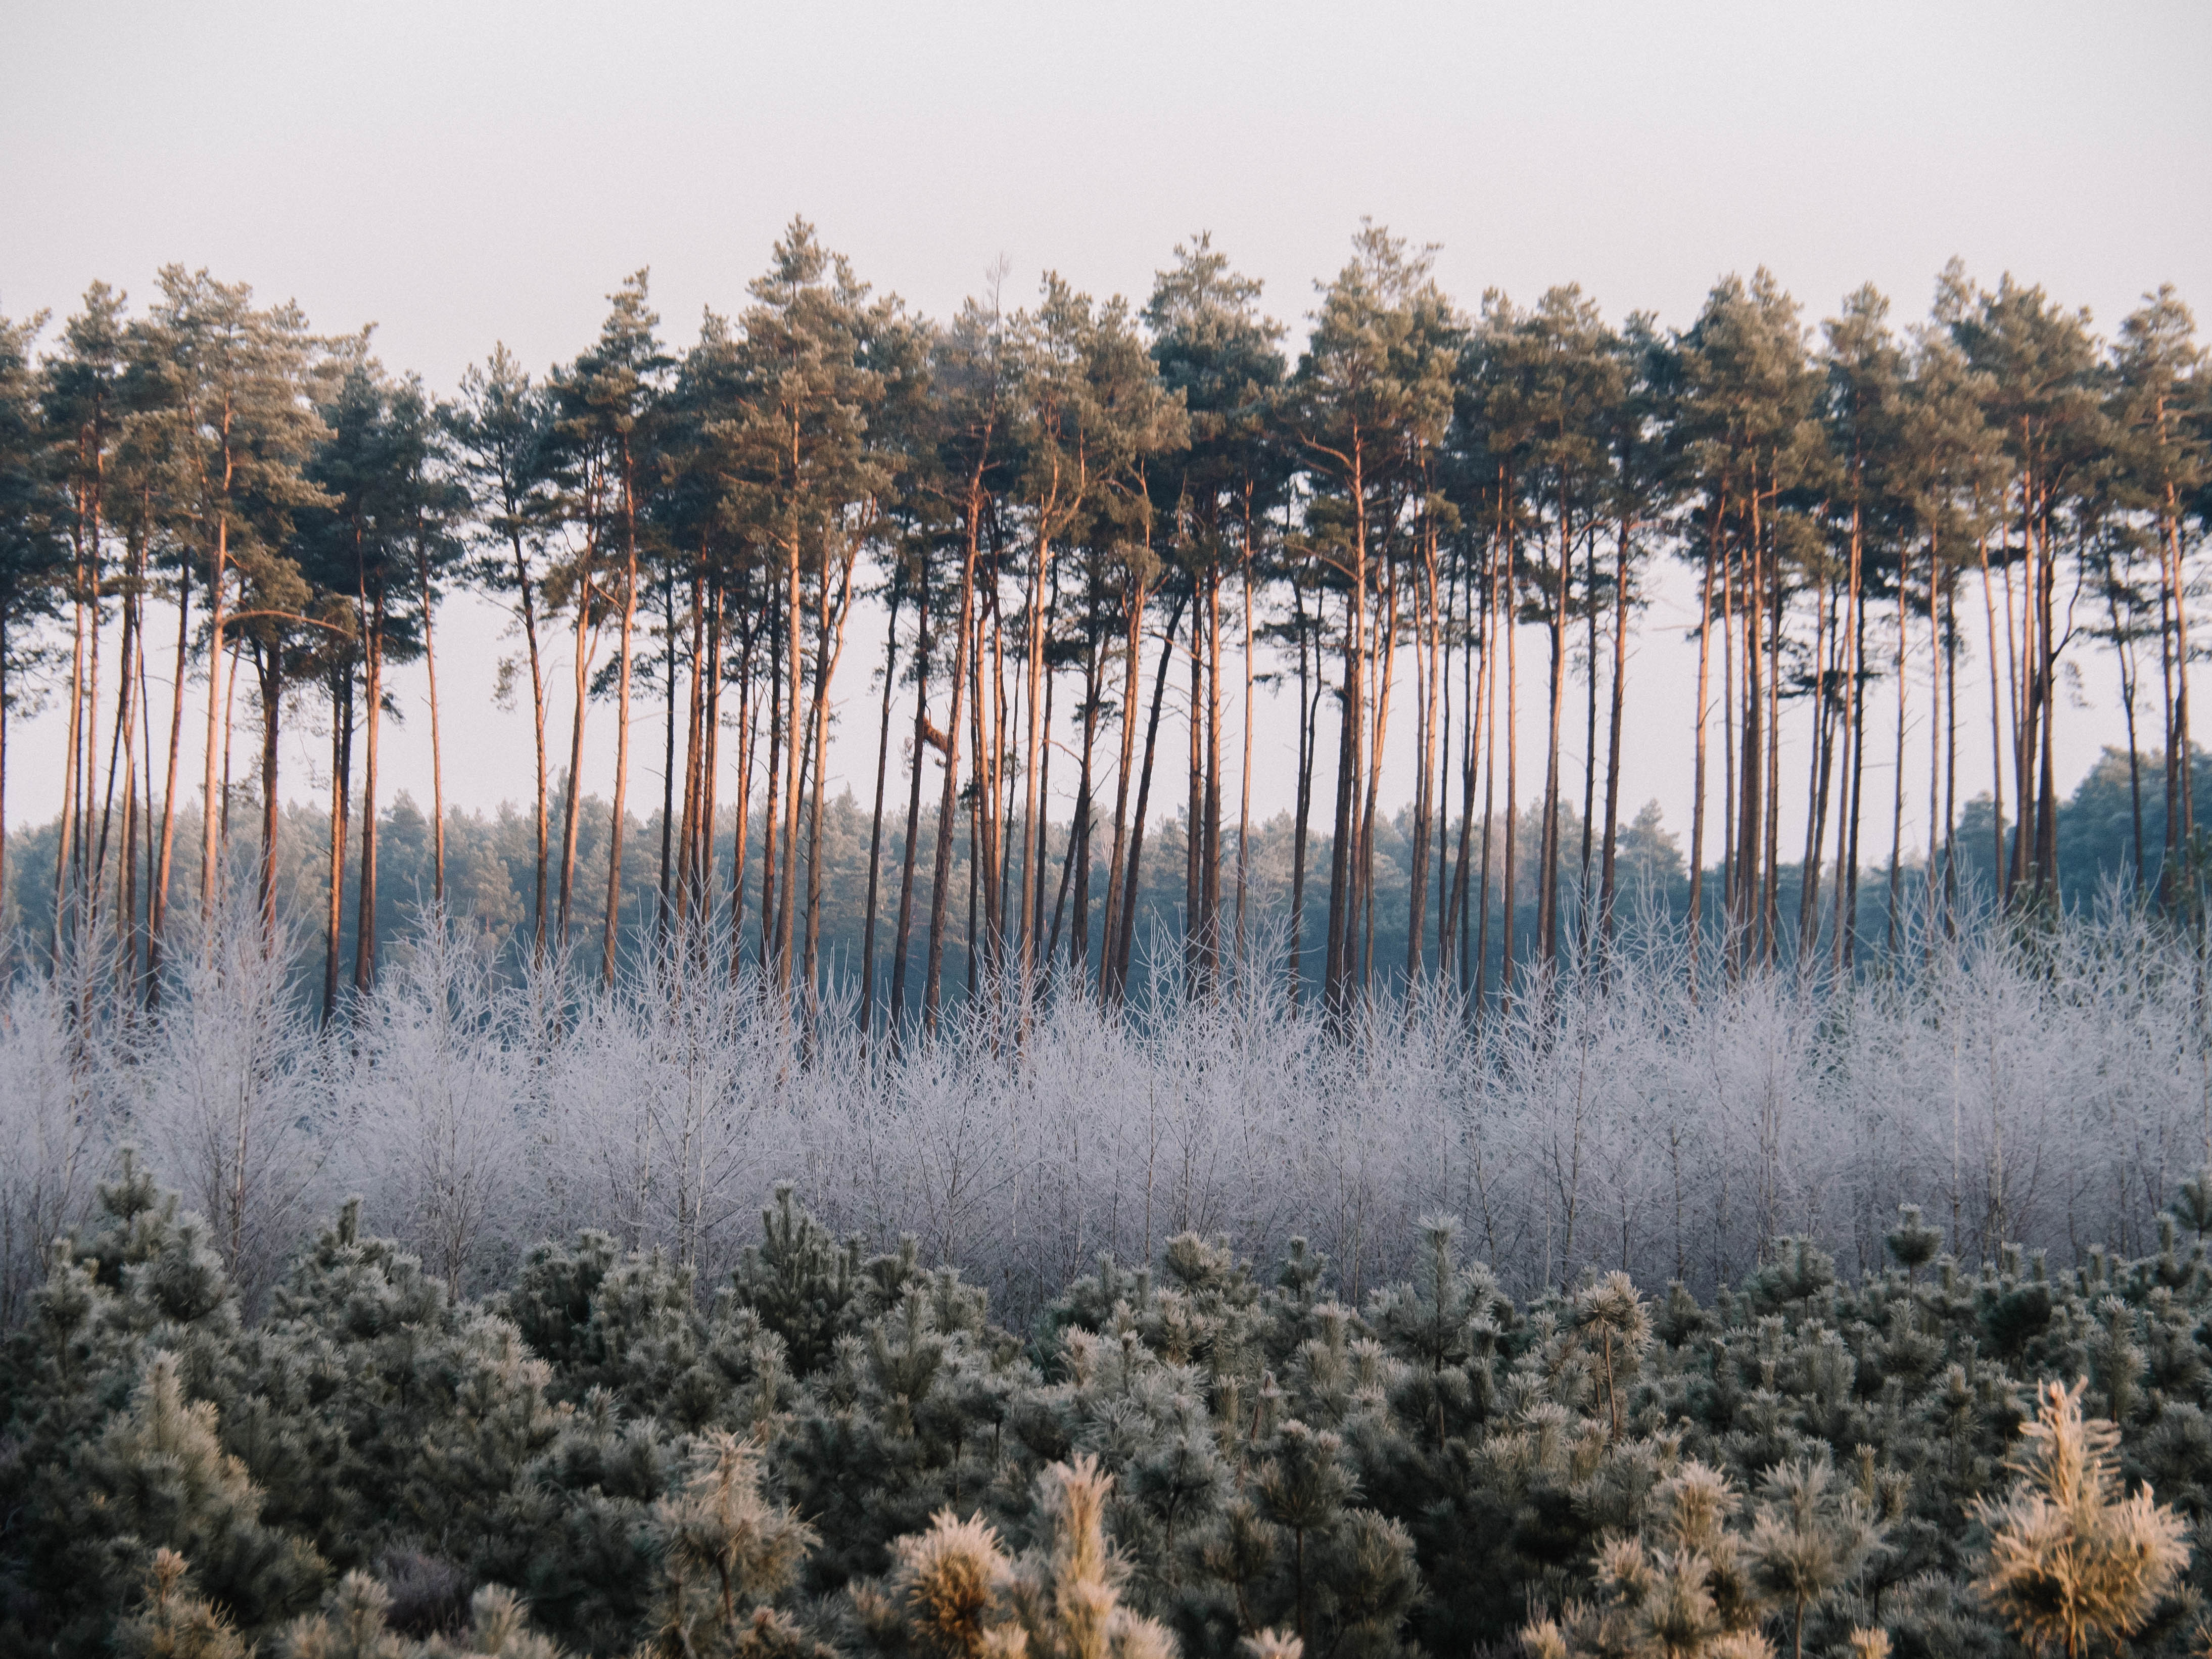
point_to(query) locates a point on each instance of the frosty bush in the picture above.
(2042, 1084)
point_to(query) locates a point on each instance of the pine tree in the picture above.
(955, 1592)
(2070, 1558)
(1809, 1535)
(176, 1623)
(33, 552)
(726, 1554)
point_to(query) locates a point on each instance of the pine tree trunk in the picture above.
(829, 650)
(1697, 921)
(1508, 877)
(212, 796)
(1583, 894)
(1194, 906)
(795, 740)
(771, 812)
(157, 897)
(1126, 942)
(876, 818)
(271, 665)
(1897, 808)
(1244, 774)
(1210, 859)
(1493, 623)
(1305, 804)
(1132, 662)
(621, 726)
(941, 892)
(364, 945)
(66, 828)
(437, 752)
(118, 757)
(1547, 865)
(538, 738)
(687, 851)
(741, 832)
(668, 749)
(896, 1013)
(1609, 884)
(341, 776)
(587, 647)
(1032, 850)
(1343, 886)
(1075, 878)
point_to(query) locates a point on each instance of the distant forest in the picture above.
(490, 863)
(1093, 529)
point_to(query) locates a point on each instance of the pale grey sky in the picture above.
(460, 174)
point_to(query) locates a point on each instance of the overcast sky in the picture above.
(459, 174)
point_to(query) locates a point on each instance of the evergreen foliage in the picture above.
(1184, 1455)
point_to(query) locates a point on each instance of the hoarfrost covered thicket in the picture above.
(2045, 1085)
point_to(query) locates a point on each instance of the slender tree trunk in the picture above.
(1583, 895)
(587, 647)
(119, 756)
(364, 944)
(1936, 715)
(876, 817)
(1343, 883)
(1495, 622)
(1847, 890)
(668, 747)
(829, 649)
(341, 809)
(1125, 774)
(898, 1011)
(1473, 698)
(795, 740)
(270, 664)
(741, 832)
(941, 892)
(1193, 848)
(1211, 859)
(1547, 862)
(1697, 920)
(687, 846)
(2182, 764)
(1075, 876)
(1897, 808)
(157, 897)
(66, 837)
(1308, 707)
(212, 798)
(1244, 774)
(1131, 877)
(2046, 833)
(1770, 905)
(1607, 880)
(437, 753)
(622, 725)
(1509, 876)
(771, 812)
(1032, 852)
(538, 737)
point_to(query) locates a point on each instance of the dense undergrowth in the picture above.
(2040, 1081)
(702, 1429)
(828, 1451)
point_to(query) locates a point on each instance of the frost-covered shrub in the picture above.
(2046, 1085)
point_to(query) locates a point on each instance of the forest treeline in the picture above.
(833, 1452)
(1096, 530)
